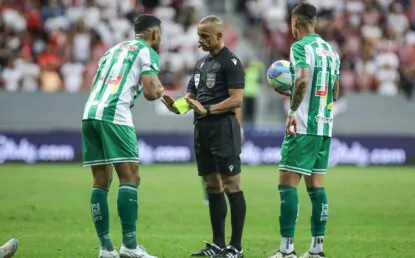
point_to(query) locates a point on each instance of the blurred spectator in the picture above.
(11, 76)
(72, 73)
(375, 39)
(59, 42)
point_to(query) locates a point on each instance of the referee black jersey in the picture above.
(213, 76)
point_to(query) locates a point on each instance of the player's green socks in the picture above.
(127, 210)
(318, 218)
(288, 217)
(320, 211)
(100, 215)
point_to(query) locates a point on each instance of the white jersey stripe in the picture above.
(322, 87)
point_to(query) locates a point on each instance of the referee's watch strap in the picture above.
(208, 111)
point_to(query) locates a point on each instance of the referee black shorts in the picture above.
(217, 143)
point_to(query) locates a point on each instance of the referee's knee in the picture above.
(231, 184)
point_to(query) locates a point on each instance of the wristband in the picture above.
(291, 113)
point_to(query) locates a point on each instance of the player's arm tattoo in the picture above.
(300, 87)
(336, 89)
(190, 95)
(155, 83)
(153, 89)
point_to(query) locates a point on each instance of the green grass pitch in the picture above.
(372, 211)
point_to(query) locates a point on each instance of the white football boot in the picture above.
(139, 252)
(9, 248)
(108, 254)
(310, 255)
(278, 254)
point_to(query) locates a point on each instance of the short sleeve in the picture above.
(337, 74)
(301, 56)
(150, 63)
(234, 73)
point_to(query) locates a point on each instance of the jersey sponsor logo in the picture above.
(323, 119)
(322, 52)
(128, 47)
(99, 103)
(210, 80)
(322, 92)
(196, 79)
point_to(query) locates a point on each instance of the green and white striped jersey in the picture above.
(315, 114)
(117, 82)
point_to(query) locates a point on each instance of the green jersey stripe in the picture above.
(314, 106)
(329, 92)
(102, 87)
(125, 70)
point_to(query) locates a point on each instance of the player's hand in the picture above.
(196, 106)
(169, 103)
(283, 92)
(291, 126)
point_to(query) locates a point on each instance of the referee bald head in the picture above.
(210, 31)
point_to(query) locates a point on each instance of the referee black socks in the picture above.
(218, 210)
(238, 212)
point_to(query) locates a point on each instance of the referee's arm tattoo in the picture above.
(300, 87)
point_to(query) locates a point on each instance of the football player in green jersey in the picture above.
(306, 146)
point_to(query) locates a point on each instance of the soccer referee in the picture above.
(215, 92)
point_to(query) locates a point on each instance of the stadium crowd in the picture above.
(54, 45)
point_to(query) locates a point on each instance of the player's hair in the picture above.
(145, 22)
(306, 14)
(211, 19)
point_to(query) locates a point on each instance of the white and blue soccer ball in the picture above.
(279, 75)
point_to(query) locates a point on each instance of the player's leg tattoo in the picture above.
(102, 175)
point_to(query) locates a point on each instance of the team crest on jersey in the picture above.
(196, 79)
(210, 80)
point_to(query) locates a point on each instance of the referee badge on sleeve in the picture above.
(196, 78)
(210, 80)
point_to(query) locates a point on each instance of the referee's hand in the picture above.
(169, 103)
(196, 106)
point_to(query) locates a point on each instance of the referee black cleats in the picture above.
(210, 251)
(230, 252)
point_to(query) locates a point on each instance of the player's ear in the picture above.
(154, 34)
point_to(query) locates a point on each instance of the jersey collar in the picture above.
(313, 35)
(220, 52)
(142, 40)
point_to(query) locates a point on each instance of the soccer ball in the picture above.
(279, 75)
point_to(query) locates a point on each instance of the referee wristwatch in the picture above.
(208, 112)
